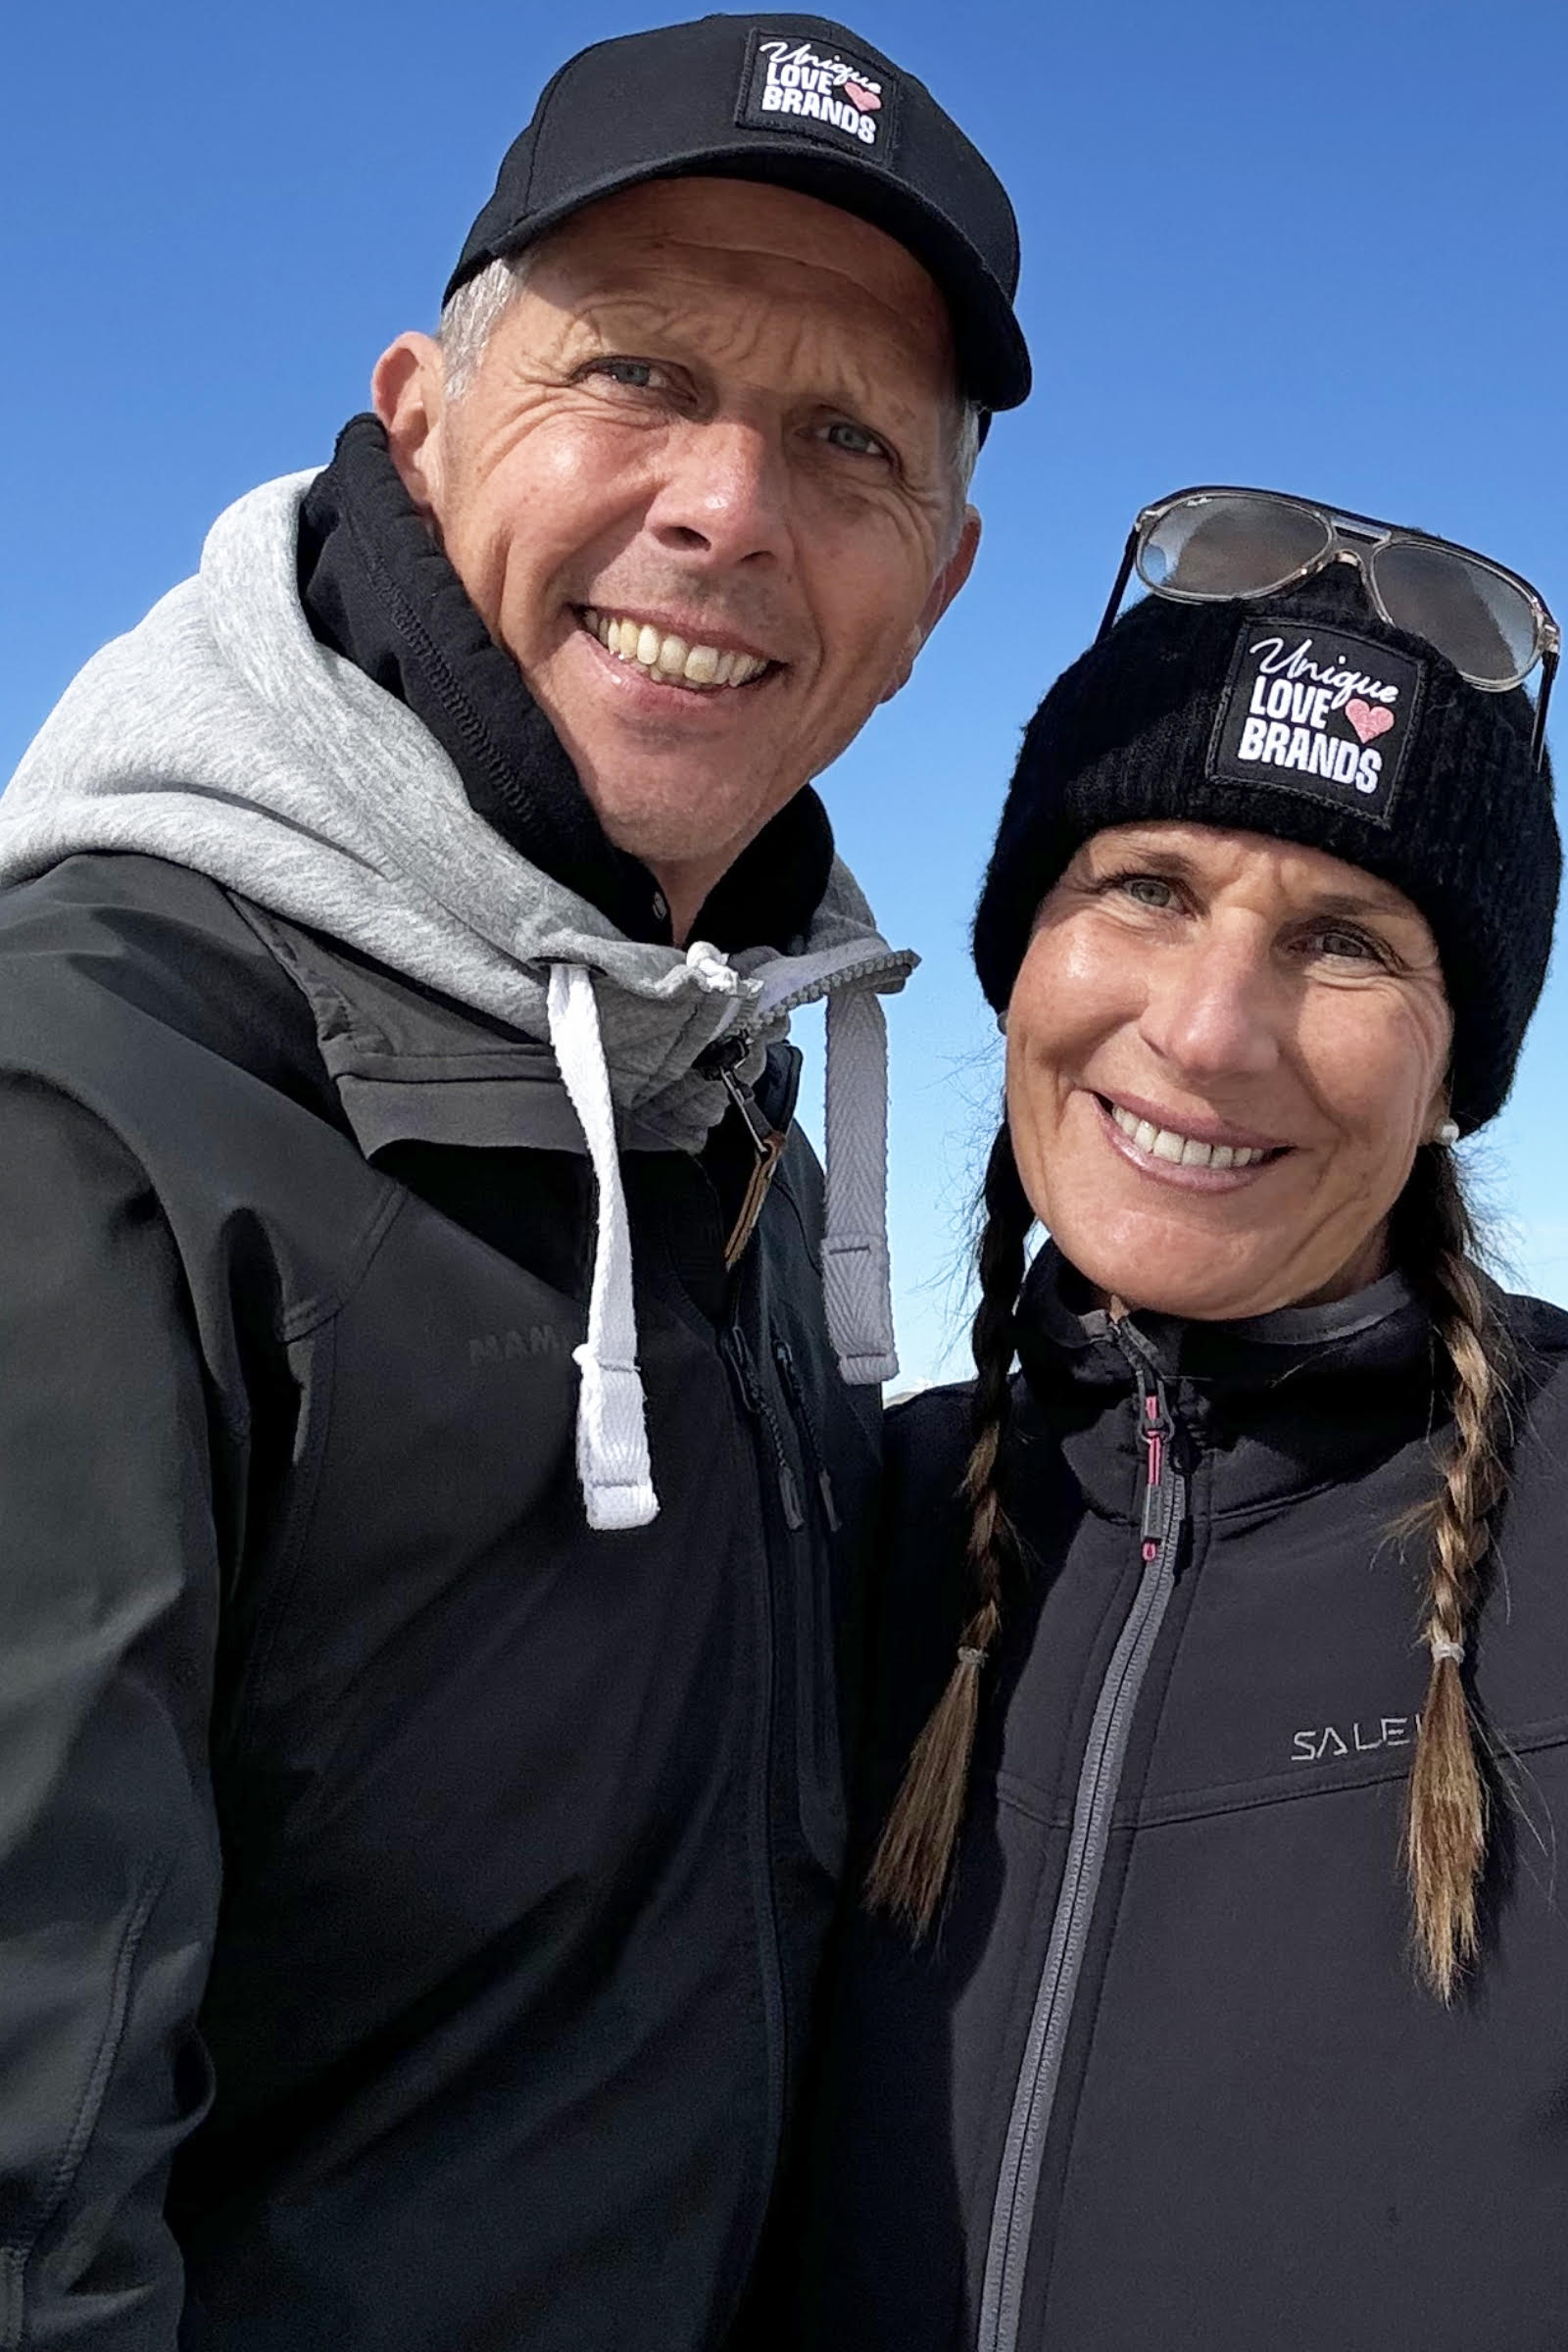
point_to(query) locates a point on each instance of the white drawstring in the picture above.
(612, 1459)
(612, 1464)
(715, 971)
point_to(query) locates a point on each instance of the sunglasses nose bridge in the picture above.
(1344, 551)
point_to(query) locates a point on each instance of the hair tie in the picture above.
(1441, 1650)
(971, 1657)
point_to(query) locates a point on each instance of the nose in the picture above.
(1212, 1012)
(722, 495)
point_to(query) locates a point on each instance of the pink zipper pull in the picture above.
(1157, 1430)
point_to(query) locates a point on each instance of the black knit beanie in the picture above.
(1305, 717)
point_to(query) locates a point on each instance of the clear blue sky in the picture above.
(1319, 248)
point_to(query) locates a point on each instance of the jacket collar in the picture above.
(378, 589)
(1062, 1337)
(1276, 1404)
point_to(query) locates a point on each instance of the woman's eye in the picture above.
(1147, 890)
(1346, 947)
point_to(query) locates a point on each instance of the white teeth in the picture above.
(1163, 1142)
(670, 656)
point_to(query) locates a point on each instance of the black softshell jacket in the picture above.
(1166, 2079)
(409, 1901)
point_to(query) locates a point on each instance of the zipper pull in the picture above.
(1158, 1431)
(768, 1142)
(738, 1348)
(801, 1412)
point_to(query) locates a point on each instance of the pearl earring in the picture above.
(1447, 1132)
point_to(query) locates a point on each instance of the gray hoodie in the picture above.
(220, 735)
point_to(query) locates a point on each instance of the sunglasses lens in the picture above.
(1482, 621)
(1231, 545)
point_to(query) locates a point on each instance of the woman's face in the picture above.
(1223, 1053)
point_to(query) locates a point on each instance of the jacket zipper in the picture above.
(1164, 1513)
(818, 1749)
(801, 1414)
(755, 1398)
(737, 1352)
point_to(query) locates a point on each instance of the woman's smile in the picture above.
(1181, 1149)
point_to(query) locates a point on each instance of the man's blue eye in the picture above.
(854, 437)
(639, 373)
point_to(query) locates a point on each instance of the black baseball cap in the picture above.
(798, 102)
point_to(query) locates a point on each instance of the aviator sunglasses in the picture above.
(1206, 546)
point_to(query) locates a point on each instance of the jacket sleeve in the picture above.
(109, 1864)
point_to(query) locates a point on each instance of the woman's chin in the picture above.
(1210, 1285)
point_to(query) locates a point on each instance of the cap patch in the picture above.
(1318, 712)
(789, 85)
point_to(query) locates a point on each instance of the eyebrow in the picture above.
(1374, 902)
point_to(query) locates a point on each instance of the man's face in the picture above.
(717, 417)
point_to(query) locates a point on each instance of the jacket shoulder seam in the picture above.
(312, 1313)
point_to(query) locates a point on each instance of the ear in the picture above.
(408, 390)
(944, 588)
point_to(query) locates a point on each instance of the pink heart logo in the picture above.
(1369, 719)
(867, 100)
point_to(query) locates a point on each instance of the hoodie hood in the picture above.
(220, 735)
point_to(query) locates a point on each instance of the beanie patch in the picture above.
(1319, 713)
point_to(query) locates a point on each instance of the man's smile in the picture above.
(670, 659)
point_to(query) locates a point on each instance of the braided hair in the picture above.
(1445, 1821)
(909, 1868)
(1446, 1808)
